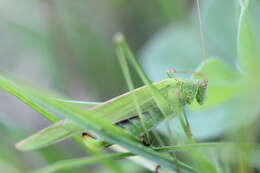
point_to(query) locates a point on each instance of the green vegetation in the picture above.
(202, 118)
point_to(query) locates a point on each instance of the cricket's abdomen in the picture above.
(137, 125)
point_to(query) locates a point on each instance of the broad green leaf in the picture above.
(249, 56)
(223, 83)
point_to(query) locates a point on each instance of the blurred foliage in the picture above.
(180, 48)
(67, 46)
(72, 40)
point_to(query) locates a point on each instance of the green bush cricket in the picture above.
(122, 112)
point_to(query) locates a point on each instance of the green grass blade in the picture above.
(72, 163)
(161, 102)
(212, 145)
(75, 163)
(19, 92)
(126, 72)
(158, 98)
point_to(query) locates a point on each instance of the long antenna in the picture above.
(202, 39)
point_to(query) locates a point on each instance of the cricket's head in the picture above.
(187, 91)
(202, 91)
(191, 90)
(202, 80)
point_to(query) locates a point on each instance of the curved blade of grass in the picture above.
(160, 101)
(68, 129)
(126, 54)
(126, 72)
(17, 91)
(22, 93)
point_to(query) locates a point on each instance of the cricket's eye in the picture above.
(202, 90)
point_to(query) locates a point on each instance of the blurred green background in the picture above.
(67, 46)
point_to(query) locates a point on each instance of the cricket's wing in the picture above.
(50, 135)
(123, 106)
(114, 110)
